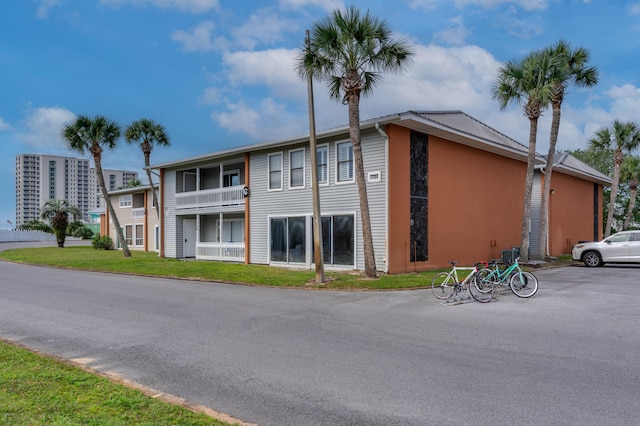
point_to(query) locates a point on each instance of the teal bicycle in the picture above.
(522, 283)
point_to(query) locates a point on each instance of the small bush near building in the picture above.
(102, 242)
(83, 232)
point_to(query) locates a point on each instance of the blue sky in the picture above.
(220, 74)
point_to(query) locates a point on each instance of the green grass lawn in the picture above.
(37, 390)
(148, 263)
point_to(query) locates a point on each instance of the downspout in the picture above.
(386, 194)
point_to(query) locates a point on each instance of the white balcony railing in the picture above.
(226, 252)
(232, 195)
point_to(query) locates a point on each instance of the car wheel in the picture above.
(591, 258)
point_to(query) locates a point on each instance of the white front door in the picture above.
(189, 235)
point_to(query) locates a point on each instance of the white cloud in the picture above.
(634, 8)
(43, 8)
(456, 34)
(43, 127)
(625, 101)
(191, 6)
(487, 4)
(328, 5)
(4, 125)
(438, 78)
(273, 68)
(198, 40)
(212, 96)
(269, 121)
(264, 27)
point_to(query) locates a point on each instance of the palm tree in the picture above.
(630, 173)
(349, 51)
(571, 68)
(622, 138)
(147, 133)
(527, 83)
(94, 135)
(58, 211)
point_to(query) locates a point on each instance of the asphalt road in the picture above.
(273, 356)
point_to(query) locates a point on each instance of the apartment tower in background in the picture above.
(40, 178)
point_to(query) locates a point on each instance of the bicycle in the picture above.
(522, 283)
(446, 284)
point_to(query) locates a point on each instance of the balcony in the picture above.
(228, 196)
(224, 252)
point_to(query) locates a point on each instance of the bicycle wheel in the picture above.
(524, 284)
(442, 285)
(474, 288)
(485, 280)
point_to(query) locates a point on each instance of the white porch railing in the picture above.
(231, 195)
(226, 252)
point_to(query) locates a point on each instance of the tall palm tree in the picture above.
(147, 133)
(622, 138)
(93, 135)
(571, 69)
(527, 84)
(58, 211)
(349, 51)
(630, 173)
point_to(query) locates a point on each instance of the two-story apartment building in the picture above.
(441, 186)
(137, 216)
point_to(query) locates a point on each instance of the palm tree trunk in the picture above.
(354, 133)
(614, 196)
(98, 162)
(528, 185)
(147, 163)
(633, 192)
(546, 185)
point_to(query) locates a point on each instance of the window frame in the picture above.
(269, 171)
(126, 201)
(324, 147)
(338, 163)
(303, 168)
(138, 239)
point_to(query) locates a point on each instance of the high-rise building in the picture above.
(40, 178)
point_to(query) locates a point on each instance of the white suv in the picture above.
(623, 247)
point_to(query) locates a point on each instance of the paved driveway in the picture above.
(272, 356)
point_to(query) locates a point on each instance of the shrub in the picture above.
(102, 242)
(83, 232)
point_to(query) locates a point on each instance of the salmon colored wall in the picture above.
(571, 213)
(475, 204)
(399, 202)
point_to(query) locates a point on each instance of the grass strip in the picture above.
(148, 263)
(38, 390)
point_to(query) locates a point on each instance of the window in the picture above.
(128, 234)
(126, 201)
(275, 172)
(231, 178)
(288, 239)
(296, 169)
(139, 236)
(322, 163)
(338, 237)
(344, 158)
